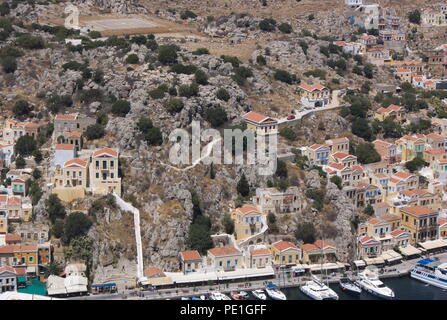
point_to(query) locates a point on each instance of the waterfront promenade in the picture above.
(282, 279)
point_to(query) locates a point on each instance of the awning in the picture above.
(372, 261)
(30, 269)
(433, 244)
(326, 266)
(409, 250)
(390, 256)
(359, 263)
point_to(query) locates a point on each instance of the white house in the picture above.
(6, 153)
(63, 153)
(354, 3)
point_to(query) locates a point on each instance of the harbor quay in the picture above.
(282, 278)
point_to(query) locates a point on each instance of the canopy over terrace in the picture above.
(391, 256)
(433, 244)
(178, 277)
(377, 260)
(359, 263)
(409, 251)
(327, 266)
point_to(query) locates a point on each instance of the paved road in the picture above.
(335, 103)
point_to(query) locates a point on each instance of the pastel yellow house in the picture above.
(393, 112)
(247, 222)
(259, 258)
(104, 172)
(338, 145)
(226, 258)
(318, 252)
(432, 156)
(260, 124)
(411, 147)
(421, 222)
(191, 261)
(285, 253)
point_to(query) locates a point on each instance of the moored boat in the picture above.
(317, 290)
(259, 294)
(369, 281)
(274, 293)
(431, 272)
(348, 285)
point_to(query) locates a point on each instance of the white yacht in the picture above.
(369, 281)
(217, 295)
(431, 272)
(317, 290)
(259, 294)
(274, 293)
(348, 285)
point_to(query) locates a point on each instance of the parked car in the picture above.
(291, 117)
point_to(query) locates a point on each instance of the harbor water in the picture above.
(405, 288)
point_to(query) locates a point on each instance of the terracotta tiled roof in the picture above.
(317, 146)
(153, 272)
(323, 244)
(247, 209)
(337, 140)
(381, 204)
(397, 232)
(108, 151)
(72, 116)
(403, 70)
(7, 268)
(311, 86)
(390, 217)
(11, 237)
(403, 175)
(374, 221)
(255, 117)
(340, 155)
(190, 255)
(337, 166)
(65, 146)
(8, 249)
(434, 136)
(73, 133)
(259, 252)
(442, 221)
(418, 210)
(14, 201)
(75, 162)
(223, 251)
(283, 245)
(309, 247)
(435, 151)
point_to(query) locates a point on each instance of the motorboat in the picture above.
(244, 294)
(236, 295)
(217, 295)
(186, 298)
(274, 293)
(317, 290)
(369, 281)
(431, 272)
(196, 298)
(348, 285)
(259, 294)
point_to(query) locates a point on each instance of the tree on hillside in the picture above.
(228, 224)
(76, 225)
(306, 232)
(243, 188)
(54, 208)
(25, 145)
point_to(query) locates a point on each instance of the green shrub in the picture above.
(188, 91)
(174, 105)
(183, 69)
(285, 76)
(200, 51)
(132, 59)
(121, 108)
(267, 25)
(201, 77)
(187, 14)
(261, 60)
(235, 62)
(21, 108)
(216, 116)
(94, 131)
(285, 28)
(9, 64)
(222, 94)
(167, 54)
(288, 133)
(157, 93)
(30, 42)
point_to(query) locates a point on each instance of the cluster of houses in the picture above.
(73, 172)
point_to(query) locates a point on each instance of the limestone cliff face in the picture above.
(345, 211)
